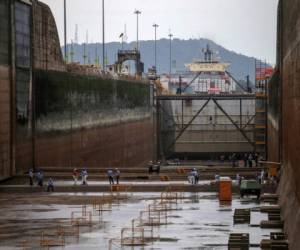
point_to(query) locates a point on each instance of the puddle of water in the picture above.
(200, 222)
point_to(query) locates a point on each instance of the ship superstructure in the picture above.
(207, 76)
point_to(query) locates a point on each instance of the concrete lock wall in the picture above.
(5, 97)
(53, 118)
(23, 63)
(91, 121)
(274, 116)
(284, 116)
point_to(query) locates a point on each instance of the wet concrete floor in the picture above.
(198, 221)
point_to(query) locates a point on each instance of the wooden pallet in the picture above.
(277, 241)
(238, 241)
(241, 216)
(274, 216)
(272, 198)
(271, 224)
(270, 209)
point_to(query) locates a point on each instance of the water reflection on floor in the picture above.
(199, 222)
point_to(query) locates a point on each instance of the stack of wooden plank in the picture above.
(241, 216)
(238, 241)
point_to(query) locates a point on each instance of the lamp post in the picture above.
(65, 29)
(137, 12)
(103, 37)
(155, 59)
(170, 36)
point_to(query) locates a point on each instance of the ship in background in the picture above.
(207, 76)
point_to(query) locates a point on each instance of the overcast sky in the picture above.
(244, 26)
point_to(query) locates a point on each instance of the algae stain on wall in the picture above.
(87, 101)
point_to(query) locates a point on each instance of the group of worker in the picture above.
(193, 176)
(261, 177)
(264, 176)
(83, 174)
(78, 175)
(39, 177)
(112, 175)
(248, 160)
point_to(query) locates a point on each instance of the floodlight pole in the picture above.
(103, 37)
(137, 12)
(170, 36)
(65, 29)
(155, 58)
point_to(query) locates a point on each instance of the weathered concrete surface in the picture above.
(274, 116)
(124, 144)
(287, 129)
(90, 121)
(5, 93)
(47, 52)
(5, 138)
